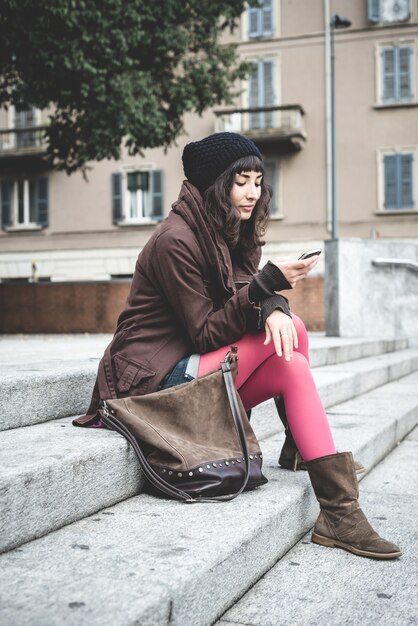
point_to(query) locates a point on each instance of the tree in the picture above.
(115, 71)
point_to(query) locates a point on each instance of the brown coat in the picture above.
(186, 297)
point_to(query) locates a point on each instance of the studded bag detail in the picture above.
(193, 441)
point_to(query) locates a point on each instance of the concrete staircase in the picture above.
(82, 545)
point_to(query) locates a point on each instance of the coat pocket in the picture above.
(130, 373)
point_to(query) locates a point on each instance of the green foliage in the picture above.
(115, 70)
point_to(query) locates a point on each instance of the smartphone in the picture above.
(307, 255)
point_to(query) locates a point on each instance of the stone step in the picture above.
(347, 380)
(52, 474)
(295, 585)
(44, 378)
(151, 561)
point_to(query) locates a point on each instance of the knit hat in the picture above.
(205, 160)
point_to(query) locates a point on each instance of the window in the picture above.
(261, 94)
(389, 11)
(271, 176)
(398, 181)
(260, 20)
(24, 203)
(137, 196)
(396, 72)
(26, 118)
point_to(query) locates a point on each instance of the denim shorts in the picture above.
(178, 375)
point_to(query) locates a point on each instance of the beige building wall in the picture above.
(81, 241)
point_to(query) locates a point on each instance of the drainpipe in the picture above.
(328, 131)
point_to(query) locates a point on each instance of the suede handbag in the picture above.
(193, 441)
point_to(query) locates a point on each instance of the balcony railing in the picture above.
(265, 124)
(406, 263)
(22, 141)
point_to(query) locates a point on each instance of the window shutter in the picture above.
(268, 89)
(157, 194)
(253, 91)
(254, 21)
(389, 74)
(270, 176)
(42, 201)
(390, 171)
(6, 209)
(254, 95)
(20, 201)
(374, 10)
(405, 54)
(267, 18)
(33, 202)
(406, 182)
(117, 198)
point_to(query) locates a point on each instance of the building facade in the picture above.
(58, 227)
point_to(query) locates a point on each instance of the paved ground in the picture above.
(314, 586)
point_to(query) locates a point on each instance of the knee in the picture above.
(298, 363)
(292, 368)
(300, 327)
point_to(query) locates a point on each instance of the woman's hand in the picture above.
(295, 270)
(281, 330)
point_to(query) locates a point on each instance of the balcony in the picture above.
(22, 145)
(279, 126)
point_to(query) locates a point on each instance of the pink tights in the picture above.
(263, 375)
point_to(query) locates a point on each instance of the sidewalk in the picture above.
(313, 586)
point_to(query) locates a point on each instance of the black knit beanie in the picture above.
(205, 160)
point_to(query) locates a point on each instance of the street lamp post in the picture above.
(336, 22)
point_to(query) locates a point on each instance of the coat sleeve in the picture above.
(179, 277)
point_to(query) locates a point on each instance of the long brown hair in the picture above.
(242, 237)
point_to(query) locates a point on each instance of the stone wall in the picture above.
(93, 307)
(61, 307)
(307, 301)
(365, 300)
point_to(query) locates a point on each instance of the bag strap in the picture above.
(109, 418)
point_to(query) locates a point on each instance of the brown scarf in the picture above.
(190, 207)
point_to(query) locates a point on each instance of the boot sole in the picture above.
(334, 543)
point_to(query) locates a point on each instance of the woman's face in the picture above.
(245, 192)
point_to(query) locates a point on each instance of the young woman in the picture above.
(197, 289)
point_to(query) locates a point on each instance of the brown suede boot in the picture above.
(290, 457)
(341, 522)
